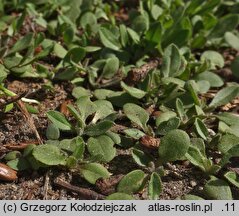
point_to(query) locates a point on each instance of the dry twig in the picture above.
(85, 193)
(138, 74)
(29, 119)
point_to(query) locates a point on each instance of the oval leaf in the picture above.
(108, 39)
(141, 158)
(227, 142)
(98, 129)
(235, 67)
(232, 40)
(132, 182)
(174, 145)
(52, 132)
(103, 146)
(171, 61)
(155, 186)
(166, 126)
(214, 57)
(212, 78)
(201, 128)
(110, 68)
(136, 114)
(119, 196)
(49, 155)
(104, 108)
(137, 93)
(93, 171)
(218, 189)
(224, 96)
(59, 120)
(232, 178)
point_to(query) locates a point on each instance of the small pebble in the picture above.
(200, 188)
(193, 183)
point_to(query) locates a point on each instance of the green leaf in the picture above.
(88, 19)
(173, 146)
(102, 94)
(98, 128)
(154, 33)
(232, 40)
(104, 109)
(232, 152)
(31, 109)
(59, 120)
(103, 146)
(208, 6)
(228, 118)
(76, 115)
(136, 114)
(86, 107)
(28, 150)
(79, 149)
(212, 78)
(227, 142)
(132, 182)
(235, 67)
(119, 99)
(114, 136)
(119, 196)
(111, 67)
(225, 24)
(137, 93)
(215, 58)
(140, 24)
(52, 132)
(21, 44)
(133, 35)
(141, 158)
(180, 110)
(71, 162)
(3, 73)
(70, 145)
(12, 155)
(217, 189)
(224, 96)
(191, 197)
(164, 117)
(232, 178)
(59, 50)
(93, 171)
(19, 164)
(198, 159)
(155, 186)
(201, 128)
(79, 91)
(192, 87)
(49, 155)
(194, 6)
(68, 35)
(166, 126)
(171, 62)
(108, 39)
(233, 129)
(124, 38)
(90, 49)
(199, 144)
(75, 54)
(134, 133)
(156, 11)
(176, 35)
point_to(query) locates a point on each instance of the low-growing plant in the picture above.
(137, 84)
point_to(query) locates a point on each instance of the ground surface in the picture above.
(180, 177)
